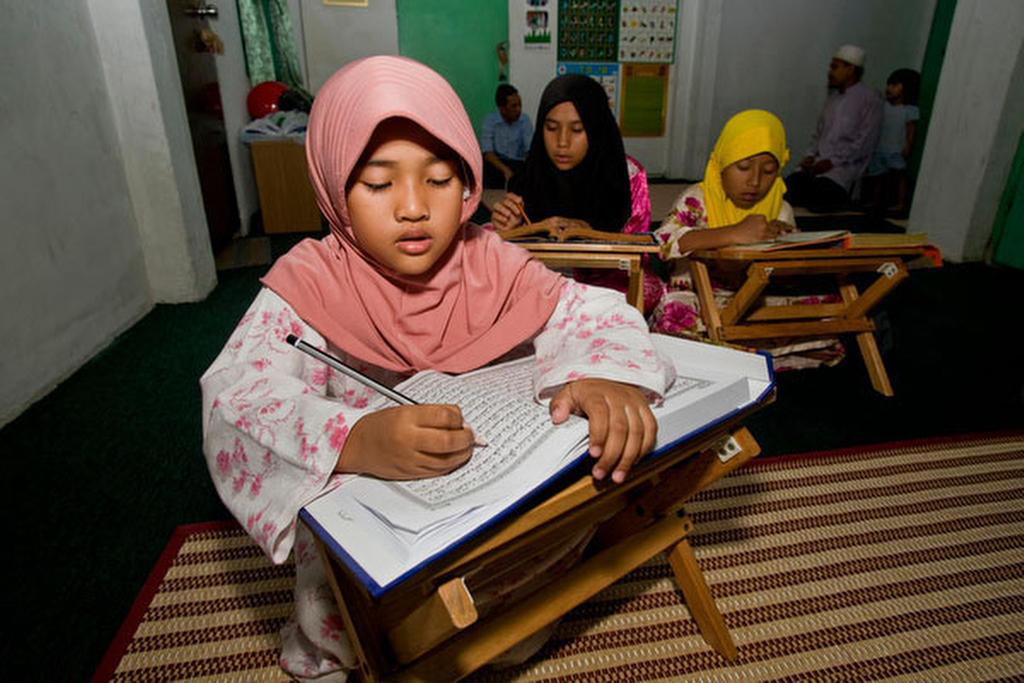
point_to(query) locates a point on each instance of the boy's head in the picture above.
(509, 103)
(903, 86)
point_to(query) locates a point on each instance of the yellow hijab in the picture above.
(748, 133)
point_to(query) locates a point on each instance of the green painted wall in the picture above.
(457, 38)
(931, 68)
(1008, 231)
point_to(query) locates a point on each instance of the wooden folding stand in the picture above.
(614, 255)
(427, 628)
(740, 320)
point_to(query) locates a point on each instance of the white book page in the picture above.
(523, 448)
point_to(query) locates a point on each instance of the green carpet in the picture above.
(102, 470)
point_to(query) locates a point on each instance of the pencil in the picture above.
(396, 396)
(522, 212)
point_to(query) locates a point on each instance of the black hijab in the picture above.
(597, 189)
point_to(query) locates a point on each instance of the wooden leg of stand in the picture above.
(873, 361)
(706, 297)
(448, 610)
(635, 295)
(698, 598)
(869, 350)
(474, 647)
(358, 620)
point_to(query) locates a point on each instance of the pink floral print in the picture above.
(275, 421)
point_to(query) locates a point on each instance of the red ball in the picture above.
(262, 99)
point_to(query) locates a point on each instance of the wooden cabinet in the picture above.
(287, 201)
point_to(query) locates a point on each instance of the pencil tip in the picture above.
(291, 339)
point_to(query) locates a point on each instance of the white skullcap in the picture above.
(851, 54)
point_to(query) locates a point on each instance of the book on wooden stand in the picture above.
(574, 233)
(385, 531)
(819, 239)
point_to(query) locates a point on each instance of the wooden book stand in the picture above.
(578, 248)
(427, 627)
(745, 318)
(531, 230)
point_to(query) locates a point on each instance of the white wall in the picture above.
(72, 273)
(336, 35)
(141, 72)
(972, 135)
(774, 54)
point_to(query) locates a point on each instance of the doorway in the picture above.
(193, 29)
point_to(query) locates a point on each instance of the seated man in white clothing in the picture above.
(844, 139)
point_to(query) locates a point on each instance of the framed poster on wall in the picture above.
(647, 31)
(644, 99)
(537, 27)
(588, 31)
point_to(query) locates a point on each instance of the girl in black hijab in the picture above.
(575, 170)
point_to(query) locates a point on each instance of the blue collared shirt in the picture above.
(509, 141)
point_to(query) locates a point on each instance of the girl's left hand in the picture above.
(622, 426)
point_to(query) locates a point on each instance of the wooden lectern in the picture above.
(426, 628)
(744, 318)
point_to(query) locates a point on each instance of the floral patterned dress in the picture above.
(639, 221)
(678, 311)
(275, 420)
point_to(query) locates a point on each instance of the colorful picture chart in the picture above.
(537, 29)
(605, 73)
(644, 99)
(588, 30)
(647, 31)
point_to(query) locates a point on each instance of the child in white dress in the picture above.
(403, 283)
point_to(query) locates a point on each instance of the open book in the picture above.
(819, 239)
(386, 530)
(531, 231)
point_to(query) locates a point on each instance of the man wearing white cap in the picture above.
(844, 139)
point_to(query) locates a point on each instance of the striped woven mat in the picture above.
(896, 561)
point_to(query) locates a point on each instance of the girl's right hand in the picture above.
(754, 228)
(407, 442)
(505, 213)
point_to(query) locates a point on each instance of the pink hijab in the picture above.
(482, 299)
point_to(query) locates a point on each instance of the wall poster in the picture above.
(647, 31)
(644, 99)
(537, 27)
(605, 73)
(588, 30)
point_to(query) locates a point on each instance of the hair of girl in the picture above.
(911, 82)
(481, 299)
(597, 189)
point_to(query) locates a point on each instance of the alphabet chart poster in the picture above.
(647, 31)
(588, 30)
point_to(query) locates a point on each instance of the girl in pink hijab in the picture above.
(402, 283)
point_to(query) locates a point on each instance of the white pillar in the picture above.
(972, 134)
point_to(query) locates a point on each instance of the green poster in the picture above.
(644, 95)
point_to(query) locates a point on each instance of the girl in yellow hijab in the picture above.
(741, 194)
(742, 176)
(738, 202)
